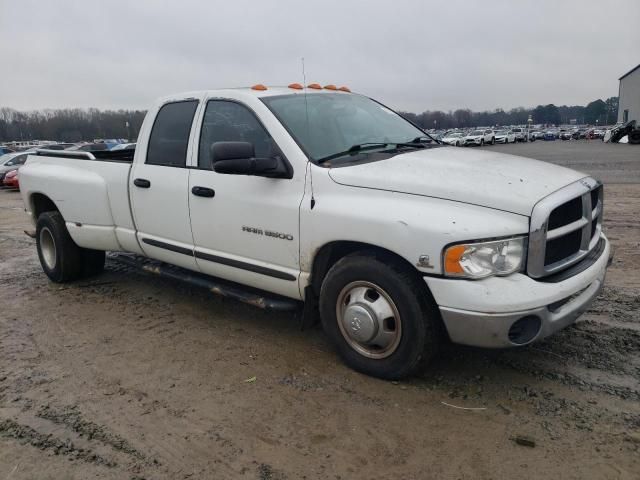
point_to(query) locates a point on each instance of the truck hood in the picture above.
(486, 178)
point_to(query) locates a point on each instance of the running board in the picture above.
(265, 301)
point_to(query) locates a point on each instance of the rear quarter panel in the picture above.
(91, 195)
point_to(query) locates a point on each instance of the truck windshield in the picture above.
(326, 124)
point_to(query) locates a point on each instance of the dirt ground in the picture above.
(130, 376)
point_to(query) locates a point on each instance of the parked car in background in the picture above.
(505, 136)
(452, 138)
(4, 150)
(566, 135)
(10, 180)
(549, 135)
(520, 134)
(109, 142)
(537, 135)
(58, 146)
(433, 135)
(577, 134)
(11, 161)
(480, 137)
(88, 147)
(123, 146)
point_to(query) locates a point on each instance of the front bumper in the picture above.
(481, 313)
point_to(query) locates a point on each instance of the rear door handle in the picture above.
(203, 192)
(142, 183)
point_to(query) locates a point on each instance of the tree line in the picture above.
(69, 125)
(602, 112)
(75, 125)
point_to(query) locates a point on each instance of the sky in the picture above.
(412, 55)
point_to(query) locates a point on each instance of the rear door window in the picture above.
(169, 137)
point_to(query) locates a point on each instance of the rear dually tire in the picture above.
(61, 259)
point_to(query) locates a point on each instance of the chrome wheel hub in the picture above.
(48, 248)
(368, 319)
(361, 325)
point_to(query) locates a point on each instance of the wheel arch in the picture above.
(327, 255)
(40, 203)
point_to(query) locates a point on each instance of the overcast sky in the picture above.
(410, 54)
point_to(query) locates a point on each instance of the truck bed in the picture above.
(90, 189)
(125, 155)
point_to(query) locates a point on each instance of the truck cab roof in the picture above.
(250, 92)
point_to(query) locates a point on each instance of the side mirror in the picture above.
(238, 158)
(231, 151)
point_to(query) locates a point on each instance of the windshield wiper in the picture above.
(419, 139)
(353, 149)
(411, 144)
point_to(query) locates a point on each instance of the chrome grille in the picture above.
(565, 227)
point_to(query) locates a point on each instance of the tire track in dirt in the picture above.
(26, 435)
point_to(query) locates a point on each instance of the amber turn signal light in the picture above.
(259, 86)
(452, 259)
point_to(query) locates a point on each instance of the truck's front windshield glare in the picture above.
(329, 123)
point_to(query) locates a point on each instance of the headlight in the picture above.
(483, 259)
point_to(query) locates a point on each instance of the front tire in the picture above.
(61, 259)
(379, 317)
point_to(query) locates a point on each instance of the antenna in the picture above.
(304, 77)
(306, 112)
(304, 86)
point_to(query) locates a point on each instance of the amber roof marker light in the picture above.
(295, 86)
(259, 87)
(330, 87)
(315, 86)
(344, 89)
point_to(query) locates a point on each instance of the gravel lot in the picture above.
(129, 376)
(611, 163)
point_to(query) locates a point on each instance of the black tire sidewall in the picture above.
(68, 264)
(416, 320)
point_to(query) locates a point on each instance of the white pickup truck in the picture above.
(327, 197)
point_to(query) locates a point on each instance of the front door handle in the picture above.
(203, 192)
(142, 183)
